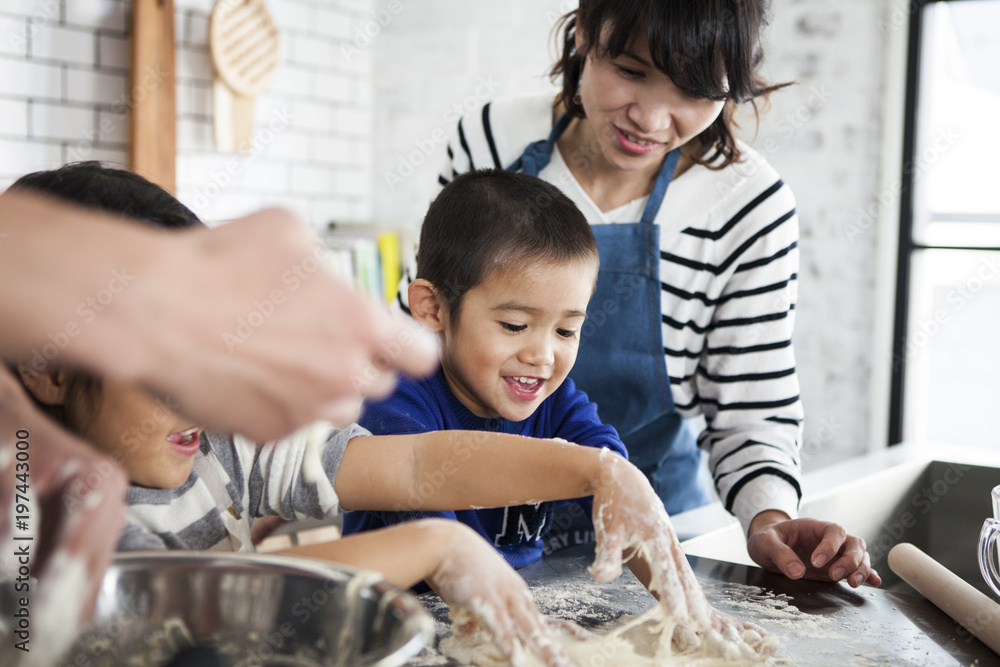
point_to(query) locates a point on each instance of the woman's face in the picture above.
(636, 114)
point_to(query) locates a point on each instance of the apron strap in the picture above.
(538, 153)
(660, 187)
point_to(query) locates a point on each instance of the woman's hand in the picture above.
(631, 524)
(810, 549)
(75, 514)
(475, 577)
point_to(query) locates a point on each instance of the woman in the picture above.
(698, 240)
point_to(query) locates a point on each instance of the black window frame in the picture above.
(906, 246)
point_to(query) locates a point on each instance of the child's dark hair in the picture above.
(710, 49)
(93, 185)
(493, 219)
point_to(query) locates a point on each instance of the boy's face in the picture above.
(516, 337)
(154, 445)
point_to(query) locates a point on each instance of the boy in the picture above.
(193, 489)
(505, 269)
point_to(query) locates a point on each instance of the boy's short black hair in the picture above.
(118, 191)
(94, 185)
(492, 219)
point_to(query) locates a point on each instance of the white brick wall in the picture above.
(54, 86)
(827, 131)
(64, 71)
(822, 135)
(64, 77)
(431, 55)
(306, 104)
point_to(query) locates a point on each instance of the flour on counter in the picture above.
(638, 642)
(628, 640)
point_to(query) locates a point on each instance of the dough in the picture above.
(636, 644)
(643, 640)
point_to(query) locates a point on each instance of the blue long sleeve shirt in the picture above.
(421, 406)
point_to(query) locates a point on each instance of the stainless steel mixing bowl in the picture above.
(250, 609)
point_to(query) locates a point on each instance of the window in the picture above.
(946, 370)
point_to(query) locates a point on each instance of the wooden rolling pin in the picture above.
(977, 613)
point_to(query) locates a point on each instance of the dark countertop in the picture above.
(817, 623)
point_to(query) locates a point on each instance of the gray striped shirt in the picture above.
(232, 483)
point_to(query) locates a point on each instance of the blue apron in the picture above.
(621, 364)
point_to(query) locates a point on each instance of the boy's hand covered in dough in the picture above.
(474, 576)
(630, 522)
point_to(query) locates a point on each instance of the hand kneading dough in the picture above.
(636, 641)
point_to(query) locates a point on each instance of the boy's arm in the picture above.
(459, 469)
(427, 542)
(449, 470)
(464, 570)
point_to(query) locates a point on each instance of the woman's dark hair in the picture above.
(710, 49)
(93, 185)
(492, 219)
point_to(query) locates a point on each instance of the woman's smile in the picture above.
(634, 144)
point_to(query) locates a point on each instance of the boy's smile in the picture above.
(516, 336)
(525, 388)
(186, 442)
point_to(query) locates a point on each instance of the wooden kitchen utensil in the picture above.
(153, 94)
(954, 596)
(243, 41)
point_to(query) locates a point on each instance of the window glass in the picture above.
(952, 348)
(956, 171)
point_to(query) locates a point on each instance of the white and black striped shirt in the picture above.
(728, 271)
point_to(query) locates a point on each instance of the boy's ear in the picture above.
(48, 388)
(425, 306)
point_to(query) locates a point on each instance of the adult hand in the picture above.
(240, 327)
(629, 518)
(810, 549)
(247, 331)
(475, 577)
(77, 504)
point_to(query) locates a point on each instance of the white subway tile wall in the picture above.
(367, 87)
(822, 135)
(64, 94)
